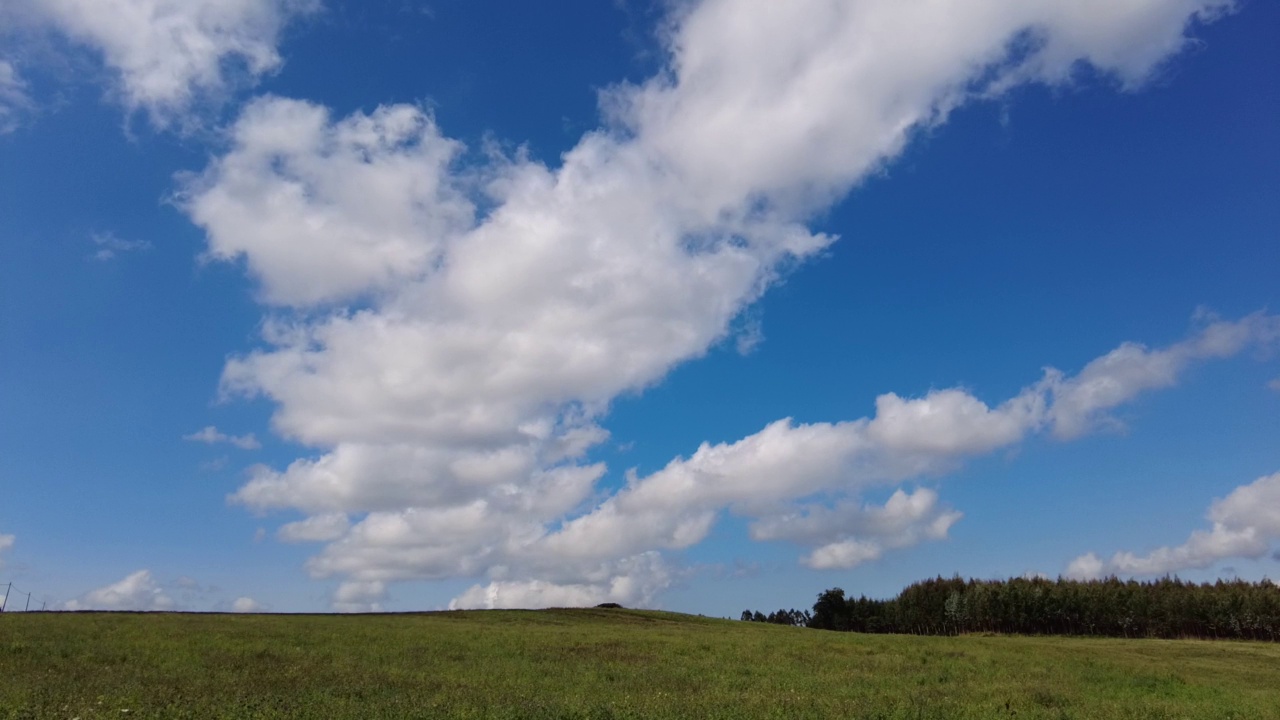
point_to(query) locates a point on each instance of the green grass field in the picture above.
(599, 664)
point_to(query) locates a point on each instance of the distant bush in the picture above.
(610, 605)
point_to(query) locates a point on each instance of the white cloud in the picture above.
(953, 422)
(143, 591)
(138, 591)
(318, 528)
(1274, 385)
(528, 594)
(1256, 506)
(1245, 523)
(1130, 369)
(906, 438)
(1086, 567)
(843, 84)
(634, 581)
(171, 55)
(494, 515)
(108, 246)
(14, 101)
(359, 597)
(210, 435)
(848, 534)
(325, 211)
(498, 306)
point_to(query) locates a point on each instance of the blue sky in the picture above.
(400, 305)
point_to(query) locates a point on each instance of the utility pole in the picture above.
(6, 597)
(28, 607)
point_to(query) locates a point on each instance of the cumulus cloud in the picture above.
(1244, 525)
(246, 605)
(861, 532)
(318, 528)
(607, 554)
(467, 321)
(107, 246)
(634, 580)
(325, 210)
(14, 101)
(906, 438)
(359, 597)
(170, 55)
(139, 591)
(210, 435)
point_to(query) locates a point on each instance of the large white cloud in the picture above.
(1245, 524)
(790, 103)
(465, 322)
(138, 591)
(170, 55)
(600, 555)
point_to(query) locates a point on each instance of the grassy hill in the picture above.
(599, 664)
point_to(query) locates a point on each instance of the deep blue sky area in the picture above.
(1042, 227)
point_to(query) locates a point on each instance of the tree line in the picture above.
(1164, 608)
(798, 618)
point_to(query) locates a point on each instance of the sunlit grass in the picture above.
(599, 664)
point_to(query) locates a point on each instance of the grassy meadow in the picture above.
(599, 664)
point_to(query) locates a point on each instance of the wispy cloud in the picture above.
(108, 246)
(14, 100)
(6, 542)
(210, 435)
(216, 464)
(144, 591)
(138, 591)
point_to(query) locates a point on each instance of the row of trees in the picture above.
(1165, 608)
(798, 618)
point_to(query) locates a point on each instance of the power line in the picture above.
(9, 591)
